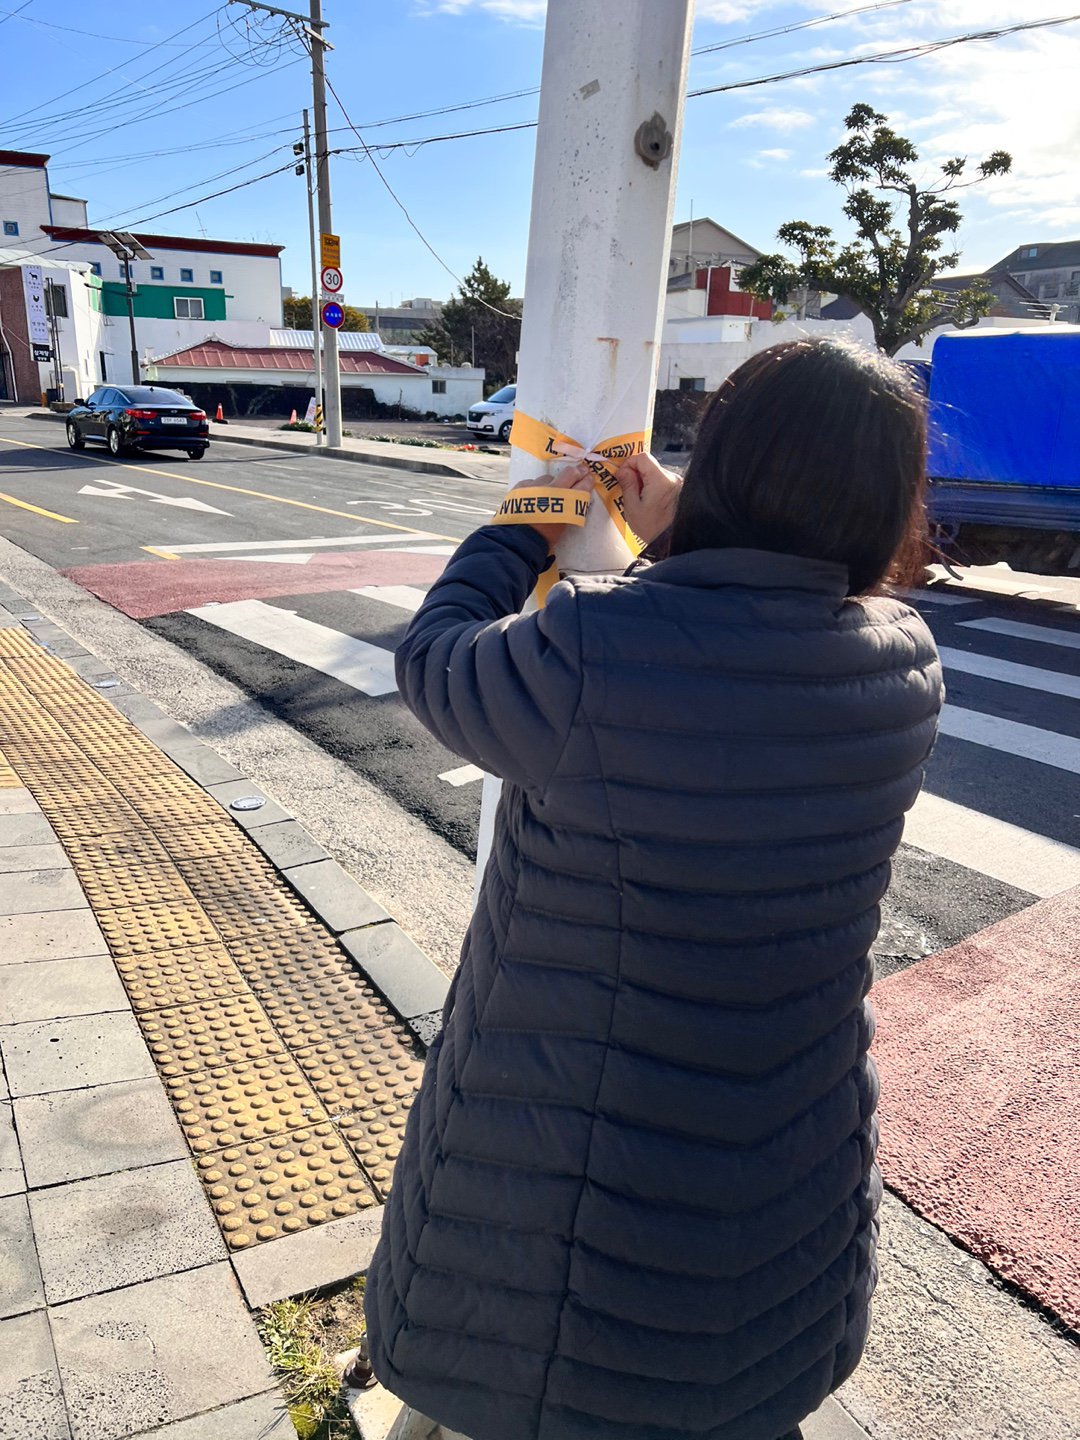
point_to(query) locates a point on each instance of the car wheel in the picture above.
(114, 442)
(74, 438)
(504, 431)
(197, 454)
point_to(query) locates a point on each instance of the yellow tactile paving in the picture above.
(290, 1077)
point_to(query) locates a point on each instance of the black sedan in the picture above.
(138, 417)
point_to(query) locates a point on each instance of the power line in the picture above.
(898, 56)
(90, 34)
(779, 30)
(12, 14)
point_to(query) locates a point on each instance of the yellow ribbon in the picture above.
(542, 504)
(548, 444)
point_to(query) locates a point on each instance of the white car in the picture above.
(495, 415)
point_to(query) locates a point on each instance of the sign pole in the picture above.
(326, 223)
(316, 328)
(611, 106)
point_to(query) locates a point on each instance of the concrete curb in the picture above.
(371, 457)
(412, 984)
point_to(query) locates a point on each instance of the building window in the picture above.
(438, 387)
(125, 270)
(157, 272)
(95, 267)
(56, 300)
(11, 227)
(692, 382)
(188, 307)
(187, 276)
(1030, 254)
(215, 277)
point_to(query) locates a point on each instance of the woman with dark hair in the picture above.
(637, 1195)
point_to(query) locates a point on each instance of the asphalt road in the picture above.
(294, 577)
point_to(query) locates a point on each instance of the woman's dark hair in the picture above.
(813, 448)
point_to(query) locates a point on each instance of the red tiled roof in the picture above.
(75, 235)
(26, 158)
(218, 355)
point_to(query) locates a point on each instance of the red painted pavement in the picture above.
(159, 587)
(979, 1054)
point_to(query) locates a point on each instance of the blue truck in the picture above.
(1004, 462)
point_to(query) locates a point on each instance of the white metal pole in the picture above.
(611, 106)
(316, 327)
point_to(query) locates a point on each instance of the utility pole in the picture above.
(312, 26)
(611, 105)
(316, 324)
(127, 250)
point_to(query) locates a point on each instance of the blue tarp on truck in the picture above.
(1005, 407)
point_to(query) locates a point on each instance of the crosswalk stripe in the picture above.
(405, 597)
(993, 847)
(465, 775)
(354, 662)
(1020, 630)
(1012, 738)
(1051, 682)
(938, 597)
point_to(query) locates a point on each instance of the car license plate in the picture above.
(174, 419)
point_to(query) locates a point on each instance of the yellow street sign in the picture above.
(330, 251)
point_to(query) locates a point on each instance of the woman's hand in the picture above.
(649, 493)
(573, 477)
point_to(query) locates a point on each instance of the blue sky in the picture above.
(751, 159)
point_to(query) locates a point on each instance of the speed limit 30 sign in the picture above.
(332, 279)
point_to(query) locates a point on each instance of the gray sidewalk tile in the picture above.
(16, 858)
(288, 843)
(35, 892)
(123, 1228)
(77, 1133)
(5, 1093)
(17, 801)
(157, 1352)
(191, 754)
(60, 935)
(25, 827)
(56, 989)
(12, 1179)
(413, 984)
(268, 814)
(31, 1406)
(335, 896)
(832, 1422)
(263, 1417)
(69, 1054)
(308, 1260)
(20, 1278)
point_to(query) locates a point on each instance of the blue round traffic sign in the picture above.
(333, 315)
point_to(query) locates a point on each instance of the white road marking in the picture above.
(264, 559)
(937, 597)
(321, 543)
(1050, 682)
(428, 550)
(993, 847)
(114, 491)
(354, 662)
(1022, 631)
(463, 776)
(1012, 738)
(405, 597)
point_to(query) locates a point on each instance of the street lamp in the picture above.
(126, 248)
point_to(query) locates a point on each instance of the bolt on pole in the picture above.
(326, 223)
(611, 107)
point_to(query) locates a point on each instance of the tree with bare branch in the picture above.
(888, 270)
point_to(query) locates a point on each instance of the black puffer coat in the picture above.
(637, 1195)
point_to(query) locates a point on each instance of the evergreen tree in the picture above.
(481, 320)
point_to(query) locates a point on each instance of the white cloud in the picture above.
(776, 154)
(522, 12)
(763, 158)
(774, 117)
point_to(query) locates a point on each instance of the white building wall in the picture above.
(464, 387)
(24, 199)
(66, 210)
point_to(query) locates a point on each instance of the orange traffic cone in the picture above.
(219, 418)
(292, 418)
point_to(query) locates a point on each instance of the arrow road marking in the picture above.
(116, 491)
